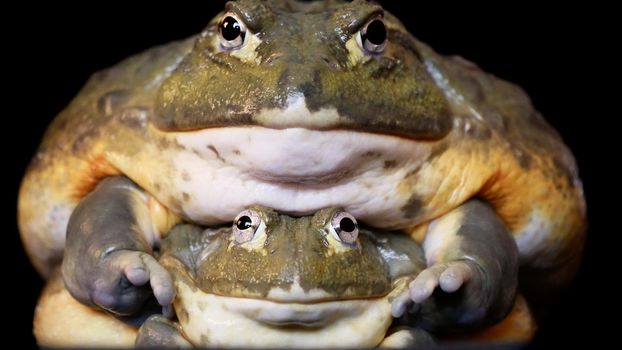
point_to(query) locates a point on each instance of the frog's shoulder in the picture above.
(486, 104)
(130, 84)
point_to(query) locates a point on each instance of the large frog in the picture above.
(298, 106)
(271, 280)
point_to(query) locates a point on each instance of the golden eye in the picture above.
(232, 32)
(372, 38)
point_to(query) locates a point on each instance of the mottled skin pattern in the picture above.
(483, 139)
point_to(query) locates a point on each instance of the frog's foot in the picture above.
(106, 263)
(121, 285)
(159, 332)
(407, 338)
(448, 276)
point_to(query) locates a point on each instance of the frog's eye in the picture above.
(372, 38)
(232, 31)
(245, 225)
(345, 227)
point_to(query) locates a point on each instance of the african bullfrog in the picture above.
(299, 106)
(272, 280)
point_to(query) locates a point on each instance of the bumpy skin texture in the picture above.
(475, 136)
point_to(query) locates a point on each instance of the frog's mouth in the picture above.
(246, 322)
(308, 315)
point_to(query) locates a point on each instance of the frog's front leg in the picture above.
(159, 332)
(108, 262)
(472, 272)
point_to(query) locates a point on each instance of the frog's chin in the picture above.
(294, 170)
(214, 320)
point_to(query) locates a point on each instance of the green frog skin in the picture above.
(298, 106)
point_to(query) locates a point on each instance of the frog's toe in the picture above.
(422, 287)
(448, 276)
(137, 274)
(161, 281)
(456, 274)
(400, 304)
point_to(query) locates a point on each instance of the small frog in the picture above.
(271, 280)
(298, 106)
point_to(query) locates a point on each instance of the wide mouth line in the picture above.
(303, 303)
(300, 314)
(377, 132)
(324, 179)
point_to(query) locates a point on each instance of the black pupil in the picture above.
(244, 223)
(376, 32)
(230, 28)
(347, 225)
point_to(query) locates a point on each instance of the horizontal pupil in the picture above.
(230, 29)
(347, 225)
(244, 223)
(376, 32)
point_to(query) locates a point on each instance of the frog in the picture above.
(320, 281)
(315, 281)
(298, 106)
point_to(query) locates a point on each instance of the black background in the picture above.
(553, 53)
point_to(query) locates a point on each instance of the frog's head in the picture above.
(315, 65)
(283, 281)
(300, 106)
(307, 259)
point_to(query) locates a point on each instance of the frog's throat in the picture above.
(300, 155)
(306, 169)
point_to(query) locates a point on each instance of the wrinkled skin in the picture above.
(297, 118)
